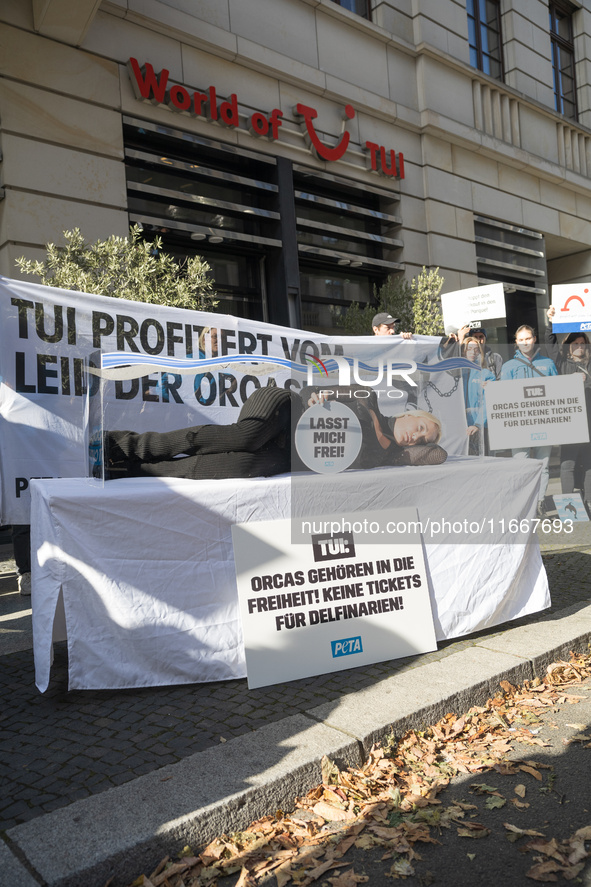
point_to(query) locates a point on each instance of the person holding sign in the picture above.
(529, 363)
(453, 344)
(573, 357)
(474, 382)
(490, 359)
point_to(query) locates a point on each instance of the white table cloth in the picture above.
(144, 566)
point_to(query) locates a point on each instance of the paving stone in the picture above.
(61, 743)
(120, 778)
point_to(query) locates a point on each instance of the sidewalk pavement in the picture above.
(102, 784)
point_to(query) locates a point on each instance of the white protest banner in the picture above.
(332, 603)
(573, 308)
(47, 334)
(536, 412)
(475, 305)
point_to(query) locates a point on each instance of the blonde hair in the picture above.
(476, 342)
(423, 414)
(202, 337)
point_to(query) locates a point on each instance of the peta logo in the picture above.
(539, 435)
(534, 391)
(330, 548)
(586, 326)
(346, 647)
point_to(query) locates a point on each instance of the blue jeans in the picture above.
(541, 453)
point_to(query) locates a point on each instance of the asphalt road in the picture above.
(559, 805)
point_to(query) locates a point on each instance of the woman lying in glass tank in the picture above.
(260, 443)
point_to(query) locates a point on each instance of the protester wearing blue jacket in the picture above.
(528, 363)
(474, 384)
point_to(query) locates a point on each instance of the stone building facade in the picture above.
(306, 148)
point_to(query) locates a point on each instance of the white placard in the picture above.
(538, 412)
(332, 603)
(328, 437)
(473, 305)
(573, 308)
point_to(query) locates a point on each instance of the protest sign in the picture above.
(569, 507)
(334, 602)
(573, 308)
(476, 305)
(536, 412)
(328, 437)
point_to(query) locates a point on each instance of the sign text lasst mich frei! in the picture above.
(149, 86)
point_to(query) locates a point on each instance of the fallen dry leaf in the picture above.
(548, 848)
(469, 833)
(494, 802)
(523, 831)
(401, 869)
(522, 805)
(394, 797)
(531, 771)
(331, 813)
(544, 871)
(348, 879)
(572, 871)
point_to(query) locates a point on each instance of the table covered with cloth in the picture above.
(138, 574)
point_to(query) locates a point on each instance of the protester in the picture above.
(573, 357)
(474, 382)
(452, 346)
(383, 325)
(21, 544)
(259, 444)
(529, 363)
(491, 359)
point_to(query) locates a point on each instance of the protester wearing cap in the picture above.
(383, 325)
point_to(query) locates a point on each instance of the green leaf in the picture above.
(481, 788)
(125, 268)
(415, 302)
(494, 802)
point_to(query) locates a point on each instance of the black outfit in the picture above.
(257, 445)
(575, 459)
(21, 544)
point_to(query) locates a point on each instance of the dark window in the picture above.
(484, 36)
(361, 7)
(563, 59)
(223, 203)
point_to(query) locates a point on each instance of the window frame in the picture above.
(558, 43)
(367, 3)
(479, 26)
